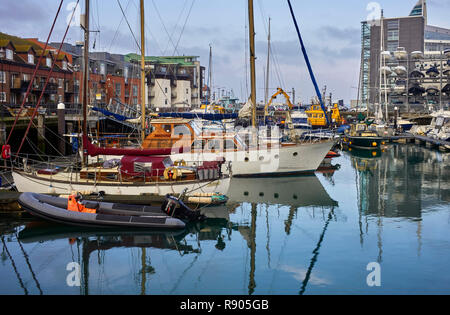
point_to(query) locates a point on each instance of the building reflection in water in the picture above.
(399, 183)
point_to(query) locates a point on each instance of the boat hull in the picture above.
(281, 161)
(364, 142)
(32, 203)
(62, 185)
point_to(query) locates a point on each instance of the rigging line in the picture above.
(131, 30)
(25, 255)
(48, 77)
(118, 27)
(316, 253)
(273, 54)
(164, 26)
(14, 267)
(34, 73)
(174, 29)
(184, 26)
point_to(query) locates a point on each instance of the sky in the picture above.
(330, 31)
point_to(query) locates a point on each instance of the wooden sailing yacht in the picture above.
(136, 173)
(186, 142)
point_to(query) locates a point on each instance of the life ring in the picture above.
(172, 173)
(180, 163)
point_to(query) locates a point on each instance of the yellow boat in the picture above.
(317, 119)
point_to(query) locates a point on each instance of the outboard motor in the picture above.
(176, 208)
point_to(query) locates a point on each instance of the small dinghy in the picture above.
(109, 215)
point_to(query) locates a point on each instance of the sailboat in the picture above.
(138, 172)
(245, 157)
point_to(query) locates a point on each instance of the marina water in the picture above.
(378, 224)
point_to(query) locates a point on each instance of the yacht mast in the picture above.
(252, 60)
(143, 94)
(85, 99)
(268, 67)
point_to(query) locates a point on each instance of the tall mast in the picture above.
(85, 75)
(143, 94)
(209, 77)
(252, 60)
(266, 99)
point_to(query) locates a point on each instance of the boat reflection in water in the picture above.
(296, 191)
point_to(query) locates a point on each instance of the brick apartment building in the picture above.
(18, 60)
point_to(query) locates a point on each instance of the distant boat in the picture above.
(399, 89)
(433, 72)
(400, 53)
(386, 55)
(416, 74)
(447, 53)
(400, 70)
(386, 70)
(446, 89)
(417, 55)
(432, 90)
(363, 138)
(416, 89)
(406, 125)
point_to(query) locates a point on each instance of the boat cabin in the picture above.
(185, 133)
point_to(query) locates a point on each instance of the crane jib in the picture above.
(308, 64)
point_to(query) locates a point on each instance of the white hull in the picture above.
(301, 158)
(44, 185)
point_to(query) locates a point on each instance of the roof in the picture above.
(165, 60)
(17, 41)
(24, 48)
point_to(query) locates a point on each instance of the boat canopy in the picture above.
(207, 116)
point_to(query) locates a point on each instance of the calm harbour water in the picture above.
(288, 236)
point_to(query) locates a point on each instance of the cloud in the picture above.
(299, 274)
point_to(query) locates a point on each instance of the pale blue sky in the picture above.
(330, 30)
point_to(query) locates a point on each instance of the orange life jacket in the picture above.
(75, 206)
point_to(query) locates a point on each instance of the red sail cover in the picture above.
(92, 150)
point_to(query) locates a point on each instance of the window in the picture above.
(26, 77)
(64, 65)
(135, 90)
(2, 97)
(118, 89)
(393, 25)
(187, 91)
(60, 83)
(49, 62)
(393, 35)
(9, 54)
(392, 46)
(102, 69)
(31, 58)
(2, 77)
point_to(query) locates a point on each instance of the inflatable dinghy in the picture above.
(109, 214)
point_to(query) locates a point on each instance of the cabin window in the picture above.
(182, 130)
(214, 145)
(167, 128)
(31, 58)
(230, 145)
(140, 167)
(199, 144)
